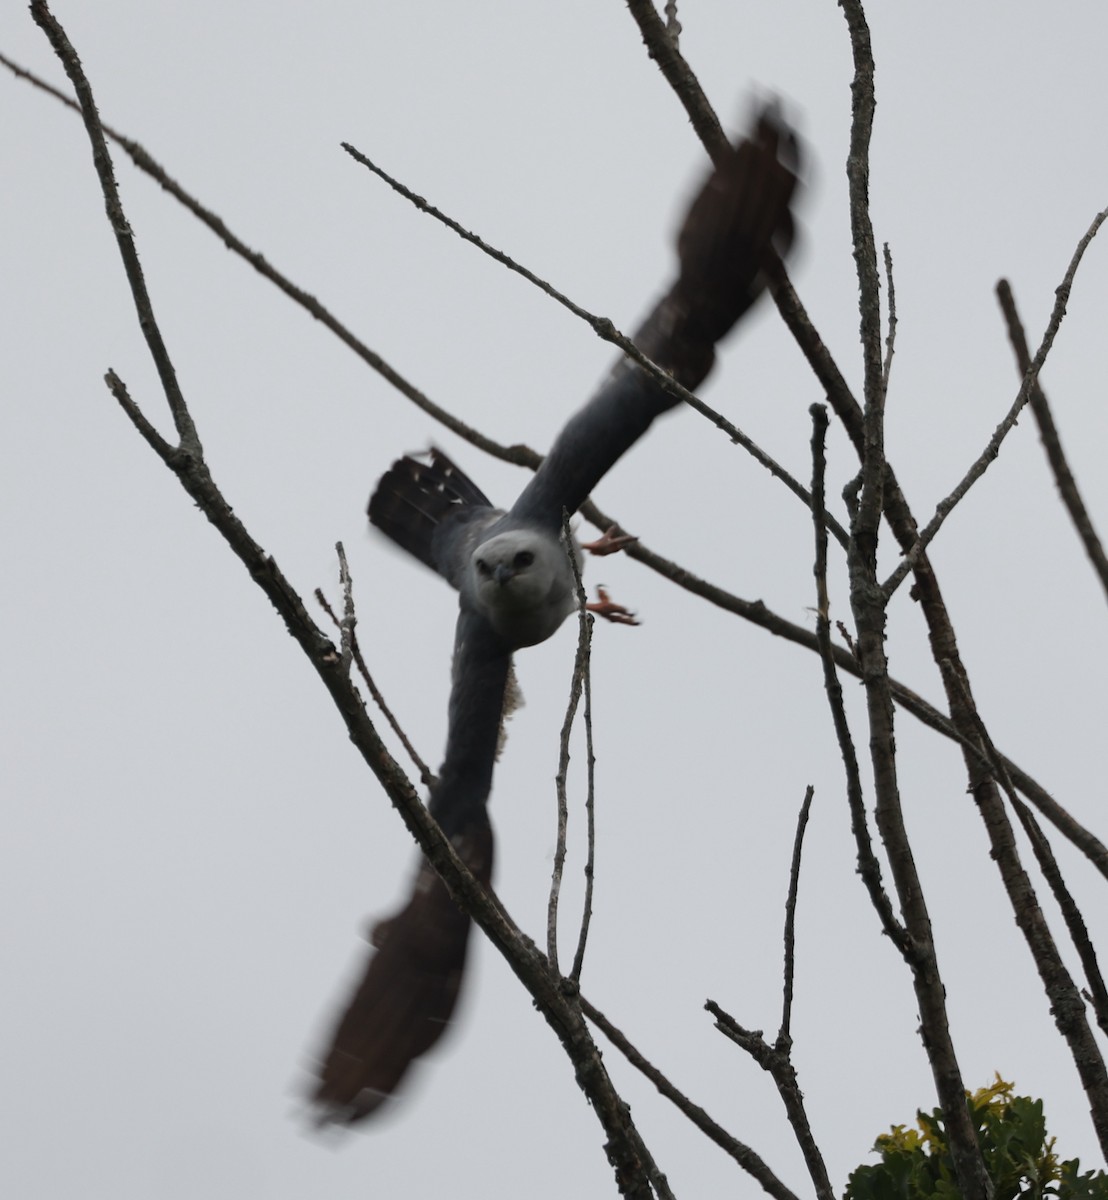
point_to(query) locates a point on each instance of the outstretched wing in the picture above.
(736, 226)
(405, 998)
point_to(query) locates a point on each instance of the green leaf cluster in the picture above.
(1019, 1156)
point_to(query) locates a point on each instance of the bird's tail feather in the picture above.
(415, 495)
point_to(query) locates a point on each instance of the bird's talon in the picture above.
(611, 541)
(607, 608)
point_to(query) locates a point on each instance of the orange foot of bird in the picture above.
(605, 607)
(609, 542)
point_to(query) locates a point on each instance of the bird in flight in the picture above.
(516, 586)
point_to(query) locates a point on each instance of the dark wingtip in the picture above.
(771, 129)
(738, 225)
(405, 999)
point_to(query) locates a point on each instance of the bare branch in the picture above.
(601, 326)
(1030, 377)
(349, 618)
(777, 1062)
(605, 329)
(869, 868)
(890, 337)
(1097, 995)
(662, 48)
(584, 648)
(124, 237)
(1052, 444)
(748, 1159)
(1066, 1004)
(868, 605)
(163, 449)
(426, 775)
(1063, 821)
(817, 355)
(520, 455)
(590, 834)
(580, 683)
(784, 1036)
(863, 105)
(673, 25)
(577, 684)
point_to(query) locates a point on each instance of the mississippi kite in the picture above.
(516, 586)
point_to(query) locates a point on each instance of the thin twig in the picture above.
(777, 1062)
(601, 326)
(869, 867)
(1097, 993)
(605, 329)
(817, 355)
(784, 1035)
(1052, 443)
(662, 48)
(426, 775)
(869, 608)
(890, 337)
(590, 836)
(673, 25)
(1030, 376)
(520, 455)
(748, 1159)
(349, 617)
(863, 105)
(586, 621)
(124, 237)
(577, 683)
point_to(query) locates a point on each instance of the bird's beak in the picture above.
(503, 574)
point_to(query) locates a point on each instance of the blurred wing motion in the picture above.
(407, 994)
(736, 228)
(405, 998)
(737, 225)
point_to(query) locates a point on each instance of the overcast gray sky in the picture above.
(192, 848)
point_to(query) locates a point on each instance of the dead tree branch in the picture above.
(662, 48)
(777, 1062)
(869, 868)
(1052, 443)
(1030, 380)
(747, 1158)
(868, 606)
(1066, 1004)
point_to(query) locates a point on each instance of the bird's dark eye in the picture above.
(523, 559)
(482, 567)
